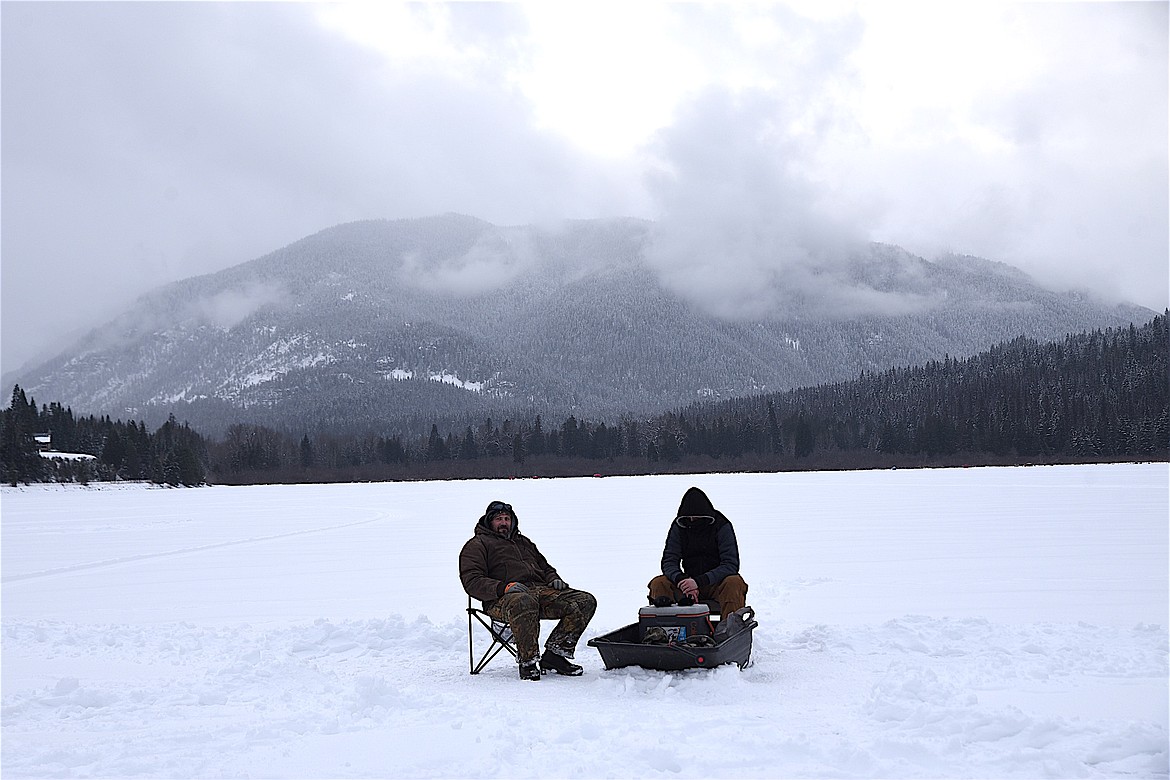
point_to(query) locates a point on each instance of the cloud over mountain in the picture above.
(382, 325)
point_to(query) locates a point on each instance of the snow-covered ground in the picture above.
(937, 623)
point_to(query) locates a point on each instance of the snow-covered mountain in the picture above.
(398, 323)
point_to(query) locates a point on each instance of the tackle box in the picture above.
(678, 622)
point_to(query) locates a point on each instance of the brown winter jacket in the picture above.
(488, 562)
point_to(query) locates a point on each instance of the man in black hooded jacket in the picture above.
(701, 558)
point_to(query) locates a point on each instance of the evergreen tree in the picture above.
(189, 468)
(468, 449)
(633, 442)
(308, 456)
(805, 439)
(775, 444)
(570, 444)
(19, 457)
(536, 439)
(436, 448)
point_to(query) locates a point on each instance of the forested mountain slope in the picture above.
(389, 325)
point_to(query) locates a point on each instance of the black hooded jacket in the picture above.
(707, 553)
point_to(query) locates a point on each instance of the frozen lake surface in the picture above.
(992, 622)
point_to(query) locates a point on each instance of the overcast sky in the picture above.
(144, 142)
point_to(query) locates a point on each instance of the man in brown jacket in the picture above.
(502, 568)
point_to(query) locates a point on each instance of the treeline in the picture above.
(174, 454)
(1091, 397)
(1099, 396)
(1094, 395)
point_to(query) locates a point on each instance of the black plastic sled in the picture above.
(729, 644)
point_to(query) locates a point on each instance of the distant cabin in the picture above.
(44, 443)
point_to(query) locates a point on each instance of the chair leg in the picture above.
(491, 653)
(498, 643)
(470, 640)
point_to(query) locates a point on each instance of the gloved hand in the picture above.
(515, 587)
(559, 584)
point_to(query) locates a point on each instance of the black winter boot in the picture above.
(530, 670)
(554, 662)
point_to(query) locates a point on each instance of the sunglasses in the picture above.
(693, 521)
(498, 506)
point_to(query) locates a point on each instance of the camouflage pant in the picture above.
(523, 612)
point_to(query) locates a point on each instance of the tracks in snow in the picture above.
(183, 551)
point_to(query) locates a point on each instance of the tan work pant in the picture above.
(731, 593)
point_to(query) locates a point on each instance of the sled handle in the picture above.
(748, 615)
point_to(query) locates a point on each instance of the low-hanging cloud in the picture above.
(492, 263)
(1047, 149)
(228, 308)
(744, 231)
(149, 142)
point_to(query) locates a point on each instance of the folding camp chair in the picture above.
(501, 634)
